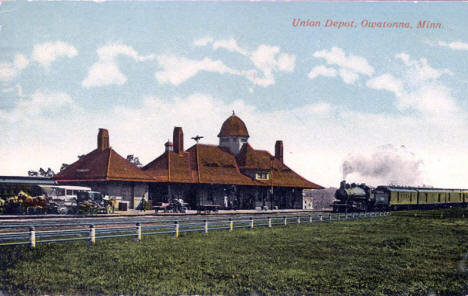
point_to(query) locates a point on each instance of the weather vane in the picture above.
(197, 138)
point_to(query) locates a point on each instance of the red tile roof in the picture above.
(172, 167)
(216, 166)
(233, 126)
(102, 165)
(210, 164)
(282, 175)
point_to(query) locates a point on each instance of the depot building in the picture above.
(231, 174)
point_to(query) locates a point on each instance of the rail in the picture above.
(145, 227)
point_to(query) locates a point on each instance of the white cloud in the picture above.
(268, 60)
(9, 71)
(419, 89)
(109, 52)
(176, 70)
(264, 57)
(319, 108)
(434, 99)
(41, 101)
(348, 76)
(48, 52)
(286, 62)
(203, 41)
(337, 56)
(20, 62)
(230, 45)
(19, 90)
(106, 71)
(420, 70)
(386, 82)
(350, 66)
(456, 45)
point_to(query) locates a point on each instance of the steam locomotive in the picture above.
(360, 197)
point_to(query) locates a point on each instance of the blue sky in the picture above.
(391, 102)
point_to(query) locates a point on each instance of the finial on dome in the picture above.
(233, 113)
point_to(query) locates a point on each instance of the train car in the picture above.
(464, 197)
(352, 197)
(398, 197)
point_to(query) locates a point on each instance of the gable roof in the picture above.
(102, 165)
(217, 166)
(282, 176)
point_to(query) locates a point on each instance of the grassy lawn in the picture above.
(399, 255)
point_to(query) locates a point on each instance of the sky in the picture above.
(381, 105)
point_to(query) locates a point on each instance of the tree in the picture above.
(42, 173)
(134, 160)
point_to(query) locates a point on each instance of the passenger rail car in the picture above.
(359, 197)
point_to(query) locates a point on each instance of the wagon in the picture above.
(175, 206)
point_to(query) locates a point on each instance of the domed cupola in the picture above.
(233, 134)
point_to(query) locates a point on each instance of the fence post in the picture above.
(32, 237)
(138, 232)
(330, 216)
(206, 227)
(92, 235)
(298, 219)
(176, 229)
(269, 222)
(310, 219)
(285, 221)
(231, 224)
(251, 223)
(321, 218)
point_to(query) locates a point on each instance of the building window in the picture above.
(262, 176)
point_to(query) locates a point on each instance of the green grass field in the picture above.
(399, 255)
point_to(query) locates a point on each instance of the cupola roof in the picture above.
(233, 126)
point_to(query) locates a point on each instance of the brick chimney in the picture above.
(103, 139)
(178, 140)
(279, 150)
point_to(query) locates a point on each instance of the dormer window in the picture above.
(262, 176)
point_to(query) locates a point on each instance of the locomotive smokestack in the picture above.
(342, 184)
